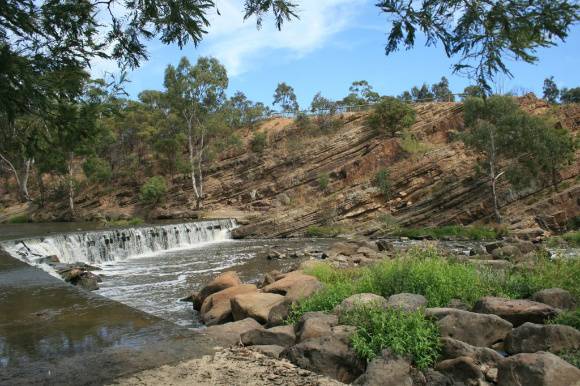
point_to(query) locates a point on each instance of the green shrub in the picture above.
(388, 223)
(412, 145)
(153, 190)
(19, 219)
(323, 231)
(304, 123)
(323, 181)
(97, 169)
(391, 116)
(572, 238)
(568, 318)
(408, 334)
(475, 232)
(383, 182)
(258, 143)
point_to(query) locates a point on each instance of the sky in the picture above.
(334, 43)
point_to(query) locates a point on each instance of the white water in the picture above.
(98, 247)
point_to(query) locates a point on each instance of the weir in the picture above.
(95, 247)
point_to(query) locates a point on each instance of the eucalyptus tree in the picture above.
(551, 91)
(442, 92)
(513, 143)
(194, 92)
(286, 98)
(360, 93)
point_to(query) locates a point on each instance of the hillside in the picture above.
(279, 192)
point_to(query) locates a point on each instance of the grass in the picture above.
(571, 356)
(427, 272)
(476, 232)
(568, 318)
(407, 334)
(19, 219)
(323, 231)
(571, 239)
(412, 145)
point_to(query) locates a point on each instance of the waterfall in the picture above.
(97, 247)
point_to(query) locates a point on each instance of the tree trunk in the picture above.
(192, 158)
(71, 201)
(494, 177)
(41, 189)
(21, 177)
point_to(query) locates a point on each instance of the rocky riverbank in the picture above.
(504, 341)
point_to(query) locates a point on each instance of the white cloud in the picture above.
(239, 44)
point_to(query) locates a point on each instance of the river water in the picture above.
(151, 267)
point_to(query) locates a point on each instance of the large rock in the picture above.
(358, 300)
(278, 336)
(255, 305)
(328, 355)
(453, 348)
(407, 302)
(506, 252)
(314, 325)
(269, 350)
(230, 333)
(217, 309)
(461, 371)
(539, 369)
(476, 329)
(219, 283)
(556, 297)
(386, 370)
(517, 311)
(295, 286)
(530, 338)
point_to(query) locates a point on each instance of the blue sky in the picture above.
(334, 43)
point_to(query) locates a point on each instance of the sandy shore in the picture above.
(229, 367)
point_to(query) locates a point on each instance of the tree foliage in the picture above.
(481, 34)
(286, 98)
(551, 91)
(391, 115)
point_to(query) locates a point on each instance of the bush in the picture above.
(153, 190)
(323, 231)
(124, 223)
(19, 219)
(411, 145)
(568, 318)
(572, 238)
(407, 334)
(97, 169)
(391, 115)
(258, 143)
(323, 181)
(383, 183)
(475, 232)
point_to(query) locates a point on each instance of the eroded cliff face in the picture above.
(434, 180)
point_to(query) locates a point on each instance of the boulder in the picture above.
(357, 300)
(385, 246)
(476, 329)
(278, 336)
(538, 369)
(530, 338)
(219, 283)
(254, 305)
(517, 311)
(295, 286)
(328, 355)
(458, 304)
(461, 371)
(453, 348)
(229, 334)
(407, 302)
(269, 350)
(89, 281)
(217, 309)
(490, 247)
(314, 325)
(507, 252)
(555, 297)
(345, 249)
(368, 252)
(386, 370)
(435, 378)
(279, 313)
